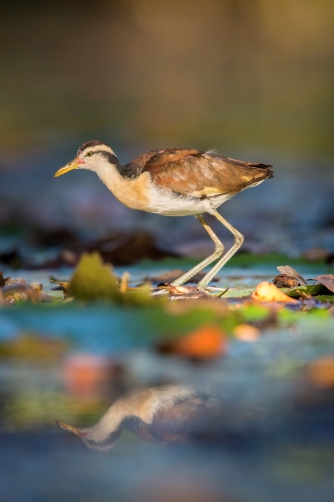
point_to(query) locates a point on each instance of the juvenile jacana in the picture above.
(168, 414)
(176, 182)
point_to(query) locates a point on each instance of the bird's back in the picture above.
(197, 173)
(200, 417)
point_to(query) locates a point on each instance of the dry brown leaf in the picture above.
(267, 292)
(246, 333)
(326, 280)
(321, 371)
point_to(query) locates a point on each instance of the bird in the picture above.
(169, 414)
(176, 182)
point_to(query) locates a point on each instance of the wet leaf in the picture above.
(326, 280)
(267, 292)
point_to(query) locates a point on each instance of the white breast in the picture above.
(167, 204)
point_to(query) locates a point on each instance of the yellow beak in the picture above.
(70, 428)
(74, 164)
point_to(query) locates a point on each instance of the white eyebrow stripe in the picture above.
(98, 148)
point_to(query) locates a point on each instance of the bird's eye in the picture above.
(89, 154)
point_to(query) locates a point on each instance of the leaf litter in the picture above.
(236, 312)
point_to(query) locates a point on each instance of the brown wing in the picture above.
(207, 419)
(178, 424)
(197, 173)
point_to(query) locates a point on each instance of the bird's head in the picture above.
(91, 156)
(94, 437)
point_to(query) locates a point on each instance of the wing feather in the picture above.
(197, 173)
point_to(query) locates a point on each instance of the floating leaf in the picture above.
(237, 293)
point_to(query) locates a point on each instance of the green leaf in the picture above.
(254, 312)
(92, 280)
(326, 298)
(310, 289)
(237, 293)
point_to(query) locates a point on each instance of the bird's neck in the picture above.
(143, 405)
(132, 193)
(110, 175)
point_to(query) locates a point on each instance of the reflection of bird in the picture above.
(166, 414)
(175, 182)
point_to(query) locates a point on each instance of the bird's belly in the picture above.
(168, 204)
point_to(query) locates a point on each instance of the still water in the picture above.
(72, 361)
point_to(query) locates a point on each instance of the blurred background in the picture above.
(251, 78)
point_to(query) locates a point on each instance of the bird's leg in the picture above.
(238, 240)
(219, 249)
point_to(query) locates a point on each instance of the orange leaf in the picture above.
(206, 341)
(267, 292)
